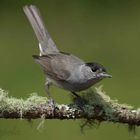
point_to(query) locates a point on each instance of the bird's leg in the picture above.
(79, 101)
(75, 94)
(47, 85)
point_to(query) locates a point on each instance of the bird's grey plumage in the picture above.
(62, 69)
(56, 65)
(46, 44)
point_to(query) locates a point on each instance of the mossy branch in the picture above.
(94, 105)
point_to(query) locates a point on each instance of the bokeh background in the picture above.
(95, 30)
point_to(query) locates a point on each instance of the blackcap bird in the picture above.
(62, 69)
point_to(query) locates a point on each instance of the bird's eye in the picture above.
(95, 69)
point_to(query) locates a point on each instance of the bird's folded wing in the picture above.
(58, 66)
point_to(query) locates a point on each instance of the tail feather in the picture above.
(46, 44)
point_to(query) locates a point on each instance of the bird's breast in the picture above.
(73, 86)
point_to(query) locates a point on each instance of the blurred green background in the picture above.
(95, 30)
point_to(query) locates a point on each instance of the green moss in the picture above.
(20, 105)
(97, 98)
(91, 100)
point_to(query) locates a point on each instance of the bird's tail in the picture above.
(46, 44)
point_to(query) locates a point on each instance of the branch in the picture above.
(94, 105)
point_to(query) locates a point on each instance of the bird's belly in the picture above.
(73, 87)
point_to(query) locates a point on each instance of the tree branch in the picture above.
(94, 105)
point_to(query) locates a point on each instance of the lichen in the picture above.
(93, 105)
(97, 98)
(12, 104)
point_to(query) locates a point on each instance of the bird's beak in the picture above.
(104, 75)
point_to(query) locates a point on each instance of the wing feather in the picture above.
(58, 66)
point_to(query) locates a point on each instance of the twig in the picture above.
(94, 105)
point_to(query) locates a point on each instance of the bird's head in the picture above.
(98, 71)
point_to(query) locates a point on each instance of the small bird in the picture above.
(62, 69)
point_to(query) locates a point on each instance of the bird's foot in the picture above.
(52, 106)
(51, 102)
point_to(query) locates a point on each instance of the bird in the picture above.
(62, 69)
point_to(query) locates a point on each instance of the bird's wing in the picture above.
(59, 66)
(46, 44)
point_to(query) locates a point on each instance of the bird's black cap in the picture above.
(96, 66)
